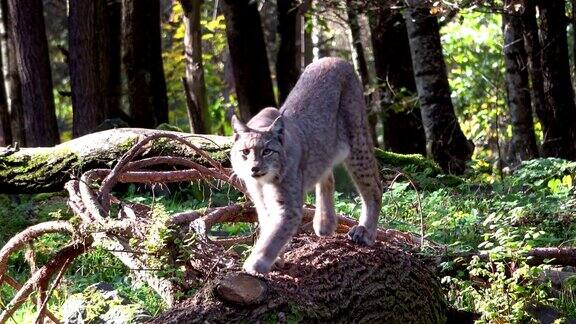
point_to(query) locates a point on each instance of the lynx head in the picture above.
(258, 154)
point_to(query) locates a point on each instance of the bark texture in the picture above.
(323, 280)
(288, 60)
(248, 56)
(27, 24)
(5, 126)
(523, 138)
(534, 59)
(143, 62)
(88, 39)
(560, 136)
(13, 88)
(445, 142)
(198, 114)
(403, 129)
(114, 47)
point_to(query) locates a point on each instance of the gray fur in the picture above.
(280, 154)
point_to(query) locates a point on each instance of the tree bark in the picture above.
(88, 37)
(534, 59)
(27, 20)
(5, 127)
(445, 142)
(13, 87)
(248, 56)
(143, 62)
(114, 46)
(288, 60)
(196, 86)
(523, 138)
(331, 281)
(560, 138)
(403, 129)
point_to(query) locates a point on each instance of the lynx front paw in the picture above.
(256, 265)
(361, 235)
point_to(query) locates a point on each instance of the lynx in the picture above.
(281, 154)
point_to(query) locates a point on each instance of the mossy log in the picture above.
(323, 280)
(46, 169)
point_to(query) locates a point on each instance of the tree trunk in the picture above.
(27, 20)
(361, 65)
(534, 59)
(195, 85)
(288, 61)
(143, 62)
(403, 129)
(26, 170)
(523, 138)
(248, 56)
(13, 87)
(445, 142)
(560, 138)
(325, 280)
(88, 38)
(114, 46)
(5, 127)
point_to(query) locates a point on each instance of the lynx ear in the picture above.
(238, 126)
(277, 128)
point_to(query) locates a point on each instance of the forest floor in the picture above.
(501, 219)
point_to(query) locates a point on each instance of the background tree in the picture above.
(248, 57)
(27, 24)
(534, 63)
(445, 142)
(143, 62)
(403, 130)
(560, 137)
(114, 58)
(88, 61)
(195, 85)
(523, 138)
(5, 127)
(288, 61)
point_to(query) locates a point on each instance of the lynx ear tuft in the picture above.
(277, 127)
(239, 126)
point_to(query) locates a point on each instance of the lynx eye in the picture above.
(245, 152)
(267, 152)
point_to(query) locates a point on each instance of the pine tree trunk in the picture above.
(88, 40)
(361, 65)
(13, 87)
(288, 60)
(403, 129)
(195, 67)
(5, 127)
(534, 59)
(560, 138)
(248, 56)
(143, 62)
(114, 46)
(27, 20)
(523, 138)
(445, 142)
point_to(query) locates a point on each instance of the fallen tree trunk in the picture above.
(46, 169)
(323, 280)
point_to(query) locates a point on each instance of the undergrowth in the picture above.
(534, 206)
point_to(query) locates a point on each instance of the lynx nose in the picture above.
(256, 171)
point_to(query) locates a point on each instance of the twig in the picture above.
(54, 285)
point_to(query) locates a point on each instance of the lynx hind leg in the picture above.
(325, 217)
(363, 169)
